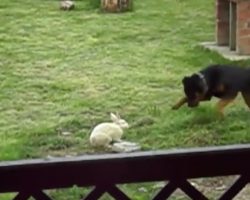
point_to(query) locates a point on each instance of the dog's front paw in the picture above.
(175, 107)
(180, 103)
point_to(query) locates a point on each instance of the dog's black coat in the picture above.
(222, 81)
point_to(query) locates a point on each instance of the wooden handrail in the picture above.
(111, 169)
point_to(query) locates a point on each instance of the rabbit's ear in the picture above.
(113, 117)
(117, 115)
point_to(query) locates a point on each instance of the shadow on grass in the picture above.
(208, 115)
(205, 115)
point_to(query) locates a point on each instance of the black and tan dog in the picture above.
(221, 81)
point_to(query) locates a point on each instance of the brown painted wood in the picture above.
(22, 196)
(191, 191)
(112, 169)
(117, 194)
(40, 195)
(95, 194)
(235, 188)
(166, 192)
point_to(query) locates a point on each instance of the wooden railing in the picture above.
(31, 177)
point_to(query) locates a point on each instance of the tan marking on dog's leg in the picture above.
(180, 103)
(246, 97)
(222, 104)
(220, 88)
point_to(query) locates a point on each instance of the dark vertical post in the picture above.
(222, 22)
(232, 32)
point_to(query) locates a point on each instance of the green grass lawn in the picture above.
(65, 71)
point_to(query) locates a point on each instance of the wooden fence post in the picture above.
(116, 5)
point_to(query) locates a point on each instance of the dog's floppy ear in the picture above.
(184, 80)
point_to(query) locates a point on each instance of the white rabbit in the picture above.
(105, 133)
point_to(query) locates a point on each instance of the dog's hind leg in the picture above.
(180, 103)
(246, 97)
(222, 104)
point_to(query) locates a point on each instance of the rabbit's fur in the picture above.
(67, 5)
(105, 133)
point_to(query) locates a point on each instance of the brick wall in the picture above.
(242, 24)
(243, 27)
